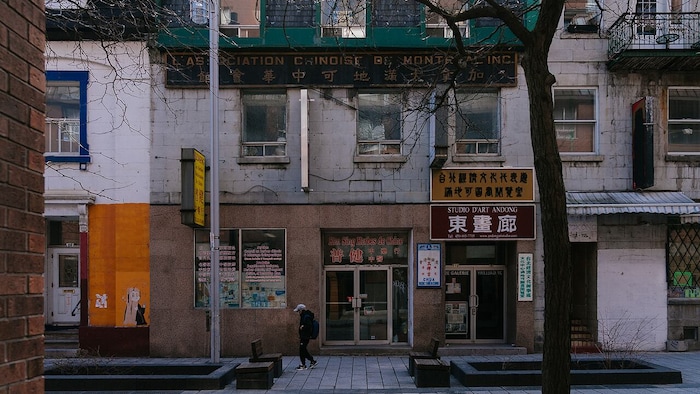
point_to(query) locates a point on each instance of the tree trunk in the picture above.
(557, 262)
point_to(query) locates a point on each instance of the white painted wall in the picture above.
(119, 126)
(632, 299)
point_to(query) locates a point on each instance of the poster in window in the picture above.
(263, 268)
(228, 269)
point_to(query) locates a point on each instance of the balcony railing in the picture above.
(654, 31)
(62, 136)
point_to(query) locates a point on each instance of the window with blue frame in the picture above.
(66, 116)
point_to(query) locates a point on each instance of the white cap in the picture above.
(300, 307)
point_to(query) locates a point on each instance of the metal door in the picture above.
(357, 305)
(63, 289)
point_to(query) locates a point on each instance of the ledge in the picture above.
(690, 158)
(380, 159)
(566, 158)
(263, 160)
(477, 159)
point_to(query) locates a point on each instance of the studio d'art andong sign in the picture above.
(364, 69)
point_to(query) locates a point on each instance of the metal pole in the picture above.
(214, 198)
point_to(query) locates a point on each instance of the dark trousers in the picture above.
(304, 352)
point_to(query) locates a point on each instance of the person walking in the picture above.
(306, 321)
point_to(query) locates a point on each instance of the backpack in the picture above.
(314, 329)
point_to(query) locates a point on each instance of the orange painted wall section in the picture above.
(118, 265)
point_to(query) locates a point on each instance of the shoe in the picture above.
(301, 367)
(313, 364)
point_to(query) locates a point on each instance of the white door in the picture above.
(63, 287)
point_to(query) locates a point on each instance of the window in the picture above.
(264, 124)
(379, 124)
(289, 13)
(66, 116)
(65, 4)
(683, 261)
(684, 120)
(343, 18)
(477, 123)
(575, 120)
(240, 18)
(475, 119)
(395, 13)
(581, 16)
(435, 25)
(252, 265)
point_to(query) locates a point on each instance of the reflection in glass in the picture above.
(339, 311)
(373, 315)
(68, 270)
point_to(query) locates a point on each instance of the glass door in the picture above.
(64, 289)
(474, 304)
(357, 306)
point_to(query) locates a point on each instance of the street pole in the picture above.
(214, 237)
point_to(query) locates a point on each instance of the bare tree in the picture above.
(536, 44)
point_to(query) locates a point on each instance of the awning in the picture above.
(603, 203)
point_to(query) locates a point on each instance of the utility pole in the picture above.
(214, 237)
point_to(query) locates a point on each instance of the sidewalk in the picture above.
(364, 374)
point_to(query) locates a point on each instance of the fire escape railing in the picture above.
(654, 31)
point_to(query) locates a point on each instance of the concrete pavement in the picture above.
(369, 374)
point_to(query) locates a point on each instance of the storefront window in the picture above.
(253, 278)
(263, 268)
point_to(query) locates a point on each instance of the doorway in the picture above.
(474, 304)
(63, 286)
(364, 305)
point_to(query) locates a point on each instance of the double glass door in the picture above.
(475, 304)
(358, 306)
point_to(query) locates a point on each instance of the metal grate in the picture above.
(683, 257)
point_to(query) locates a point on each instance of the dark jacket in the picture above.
(306, 321)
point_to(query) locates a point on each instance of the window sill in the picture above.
(66, 159)
(693, 158)
(580, 158)
(263, 160)
(584, 30)
(477, 159)
(683, 301)
(380, 159)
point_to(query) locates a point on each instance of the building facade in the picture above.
(97, 178)
(369, 172)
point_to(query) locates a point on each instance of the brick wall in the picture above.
(22, 228)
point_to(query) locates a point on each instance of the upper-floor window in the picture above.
(475, 119)
(343, 18)
(264, 123)
(575, 120)
(684, 120)
(477, 127)
(435, 25)
(396, 13)
(581, 16)
(379, 123)
(66, 116)
(290, 13)
(65, 4)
